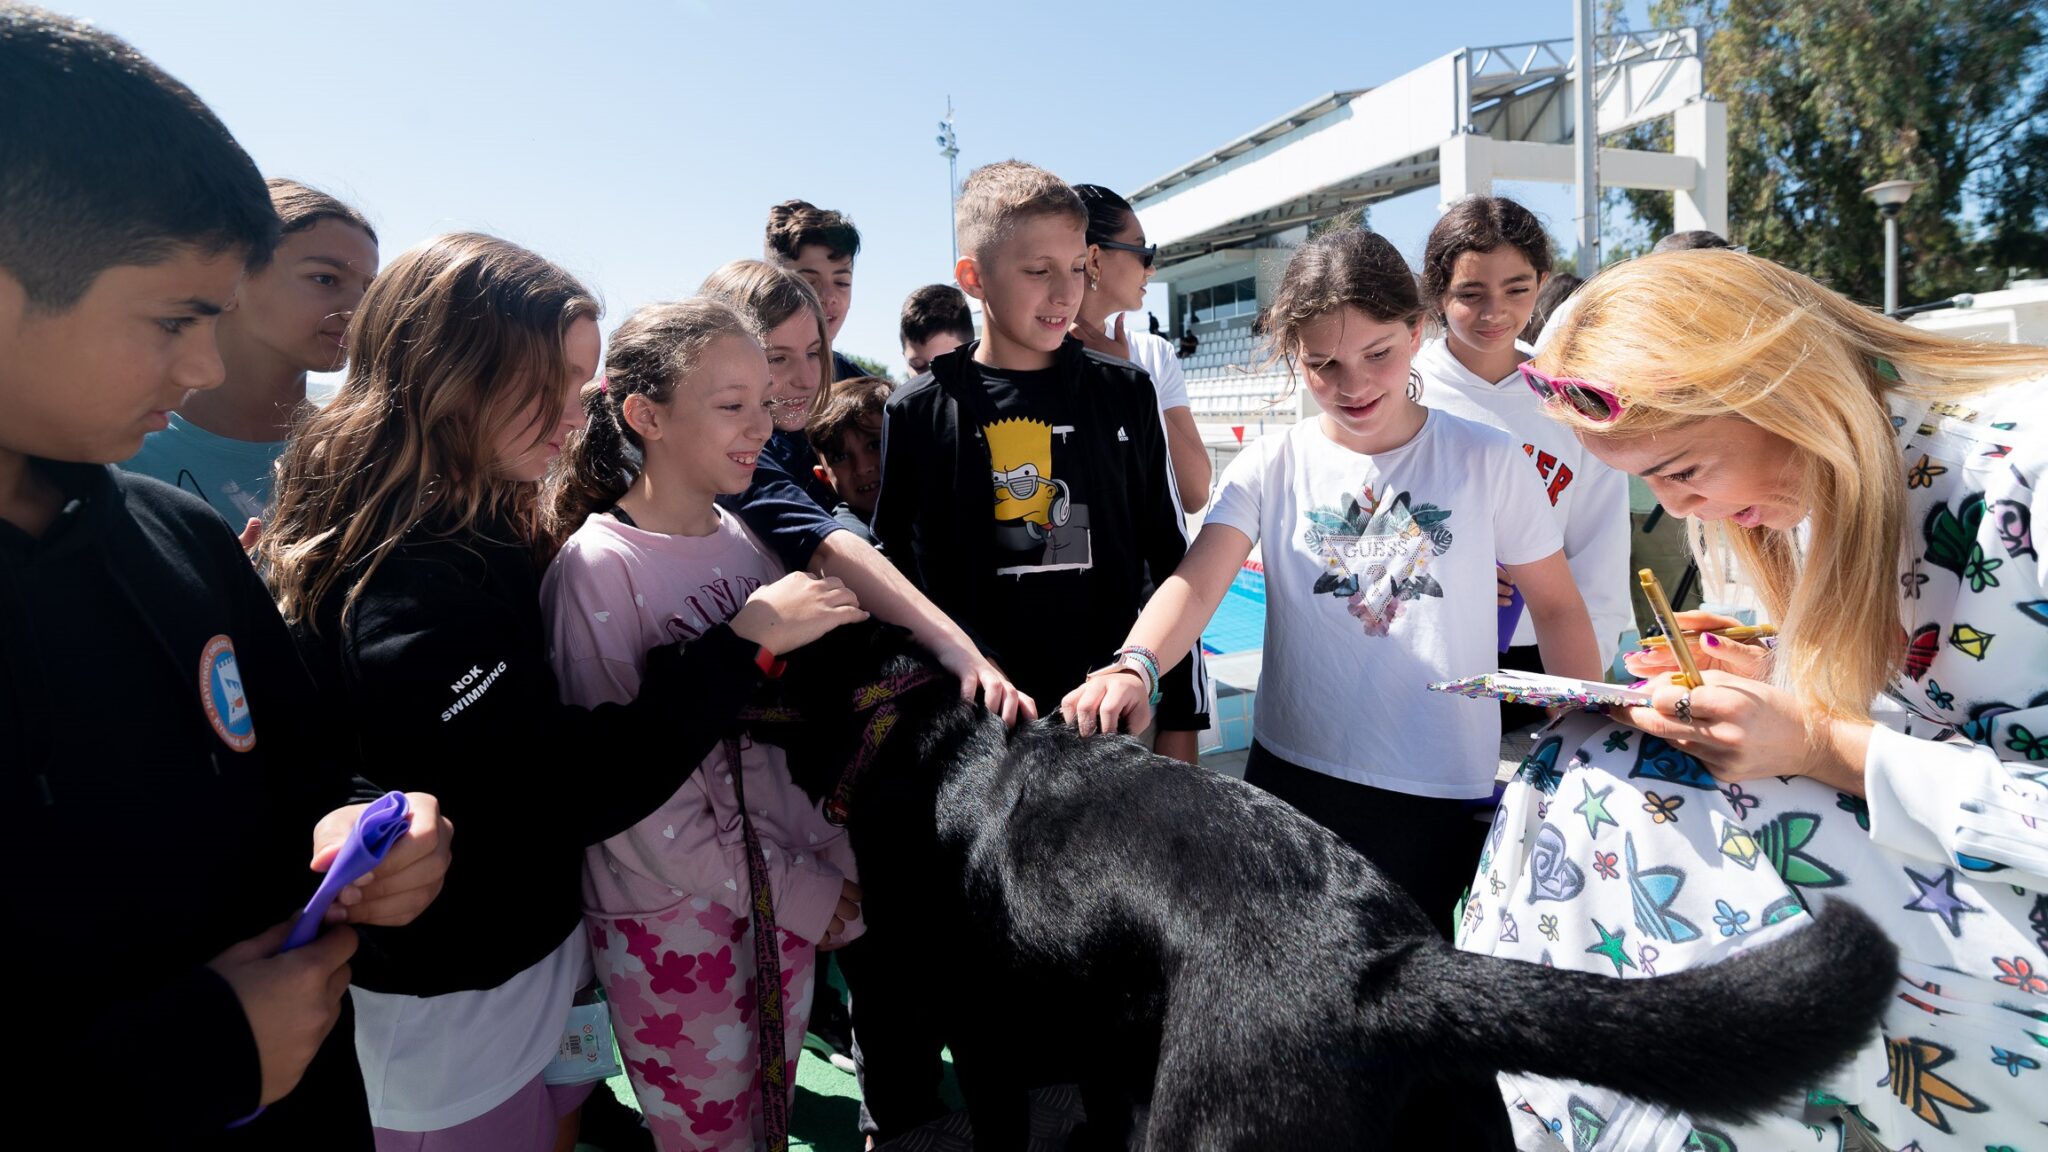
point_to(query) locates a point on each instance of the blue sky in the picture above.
(640, 144)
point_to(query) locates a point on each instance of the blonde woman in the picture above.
(1891, 750)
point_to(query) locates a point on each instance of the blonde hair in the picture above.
(766, 297)
(996, 198)
(1682, 337)
(452, 342)
(656, 348)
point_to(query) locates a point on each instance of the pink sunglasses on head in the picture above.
(1600, 405)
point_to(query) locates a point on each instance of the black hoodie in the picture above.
(934, 519)
(166, 759)
(443, 668)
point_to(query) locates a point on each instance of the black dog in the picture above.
(1217, 971)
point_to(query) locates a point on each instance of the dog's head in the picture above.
(814, 711)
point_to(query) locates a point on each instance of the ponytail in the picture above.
(650, 353)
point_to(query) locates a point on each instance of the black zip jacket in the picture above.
(166, 759)
(443, 669)
(934, 515)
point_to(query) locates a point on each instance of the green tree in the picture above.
(1827, 97)
(871, 366)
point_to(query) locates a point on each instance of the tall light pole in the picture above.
(1891, 197)
(1586, 139)
(949, 147)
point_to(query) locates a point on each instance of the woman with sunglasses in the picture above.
(1119, 267)
(1890, 750)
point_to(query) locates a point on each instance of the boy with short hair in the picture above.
(847, 435)
(166, 752)
(1025, 490)
(935, 321)
(818, 245)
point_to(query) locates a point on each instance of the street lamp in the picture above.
(949, 147)
(1890, 198)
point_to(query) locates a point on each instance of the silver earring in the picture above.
(1093, 283)
(1414, 385)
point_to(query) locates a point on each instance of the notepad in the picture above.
(1541, 691)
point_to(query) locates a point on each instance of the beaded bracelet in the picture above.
(1146, 662)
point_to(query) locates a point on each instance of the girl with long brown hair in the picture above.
(405, 555)
(1875, 485)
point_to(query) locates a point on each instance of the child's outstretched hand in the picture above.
(796, 610)
(1113, 700)
(1709, 653)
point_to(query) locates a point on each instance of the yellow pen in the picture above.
(1739, 632)
(1688, 672)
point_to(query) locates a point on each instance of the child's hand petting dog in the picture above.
(796, 610)
(849, 911)
(1109, 701)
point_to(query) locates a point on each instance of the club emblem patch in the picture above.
(220, 693)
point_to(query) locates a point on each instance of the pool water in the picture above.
(1239, 624)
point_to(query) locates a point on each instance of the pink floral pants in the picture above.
(681, 985)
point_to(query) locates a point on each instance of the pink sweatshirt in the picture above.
(613, 594)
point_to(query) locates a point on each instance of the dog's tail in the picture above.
(1727, 1040)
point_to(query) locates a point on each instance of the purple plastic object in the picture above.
(1510, 615)
(377, 829)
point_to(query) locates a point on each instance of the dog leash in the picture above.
(768, 1002)
(881, 697)
(767, 972)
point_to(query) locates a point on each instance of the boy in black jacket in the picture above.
(1025, 491)
(165, 754)
(1060, 438)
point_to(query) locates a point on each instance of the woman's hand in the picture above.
(1117, 344)
(795, 610)
(980, 678)
(408, 879)
(1109, 701)
(1503, 588)
(847, 912)
(1710, 653)
(1745, 730)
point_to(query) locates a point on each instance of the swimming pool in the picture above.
(1239, 624)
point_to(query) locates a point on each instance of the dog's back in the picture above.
(1219, 971)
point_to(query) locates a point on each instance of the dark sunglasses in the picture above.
(1146, 252)
(1600, 405)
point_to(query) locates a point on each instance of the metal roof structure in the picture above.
(1360, 145)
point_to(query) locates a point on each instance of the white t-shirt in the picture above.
(1379, 580)
(432, 1062)
(1589, 499)
(1155, 355)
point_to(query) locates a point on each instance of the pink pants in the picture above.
(681, 985)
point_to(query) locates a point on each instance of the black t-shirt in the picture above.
(1044, 551)
(785, 505)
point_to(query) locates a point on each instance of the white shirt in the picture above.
(1588, 499)
(1379, 580)
(432, 1062)
(1156, 356)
